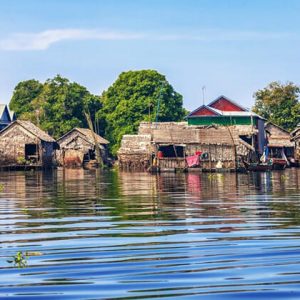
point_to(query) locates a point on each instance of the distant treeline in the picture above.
(58, 105)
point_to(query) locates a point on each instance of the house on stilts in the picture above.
(295, 138)
(23, 144)
(219, 135)
(280, 147)
(77, 147)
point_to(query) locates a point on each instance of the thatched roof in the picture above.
(27, 125)
(278, 136)
(88, 136)
(88, 133)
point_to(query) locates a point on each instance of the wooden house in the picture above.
(295, 137)
(24, 144)
(221, 111)
(169, 145)
(225, 112)
(78, 147)
(281, 148)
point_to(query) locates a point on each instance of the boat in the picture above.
(258, 167)
(279, 163)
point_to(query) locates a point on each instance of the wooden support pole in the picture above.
(97, 148)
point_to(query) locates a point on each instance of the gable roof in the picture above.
(3, 109)
(27, 125)
(88, 135)
(277, 126)
(213, 110)
(229, 100)
(12, 115)
(224, 113)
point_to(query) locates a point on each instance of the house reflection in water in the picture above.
(222, 198)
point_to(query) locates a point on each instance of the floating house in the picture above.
(78, 147)
(24, 144)
(280, 147)
(225, 112)
(6, 116)
(173, 145)
(295, 138)
(220, 135)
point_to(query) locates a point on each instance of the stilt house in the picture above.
(279, 141)
(225, 112)
(222, 134)
(23, 143)
(295, 137)
(169, 144)
(78, 147)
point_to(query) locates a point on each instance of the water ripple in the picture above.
(109, 235)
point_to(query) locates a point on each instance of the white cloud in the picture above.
(43, 40)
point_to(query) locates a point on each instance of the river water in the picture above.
(113, 235)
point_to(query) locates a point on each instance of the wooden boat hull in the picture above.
(279, 164)
(258, 167)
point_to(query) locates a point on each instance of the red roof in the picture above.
(204, 111)
(224, 104)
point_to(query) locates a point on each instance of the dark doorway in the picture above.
(31, 152)
(90, 155)
(171, 151)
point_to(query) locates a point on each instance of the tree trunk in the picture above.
(97, 148)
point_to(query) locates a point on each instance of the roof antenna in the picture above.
(203, 94)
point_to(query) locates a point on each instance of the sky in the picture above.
(232, 47)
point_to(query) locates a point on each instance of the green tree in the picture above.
(24, 93)
(134, 97)
(63, 105)
(58, 107)
(279, 103)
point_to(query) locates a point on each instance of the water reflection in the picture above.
(118, 235)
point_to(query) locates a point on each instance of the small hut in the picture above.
(24, 144)
(295, 134)
(78, 147)
(279, 141)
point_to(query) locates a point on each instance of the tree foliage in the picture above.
(134, 97)
(25, 92)
(56, 106)
(279, 103)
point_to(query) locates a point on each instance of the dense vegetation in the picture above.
(134, 97)
(58, 105)
(279, 103)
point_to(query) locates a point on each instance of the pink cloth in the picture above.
(192, 161)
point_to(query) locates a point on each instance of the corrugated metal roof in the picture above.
(233, 102)
(225, 113)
